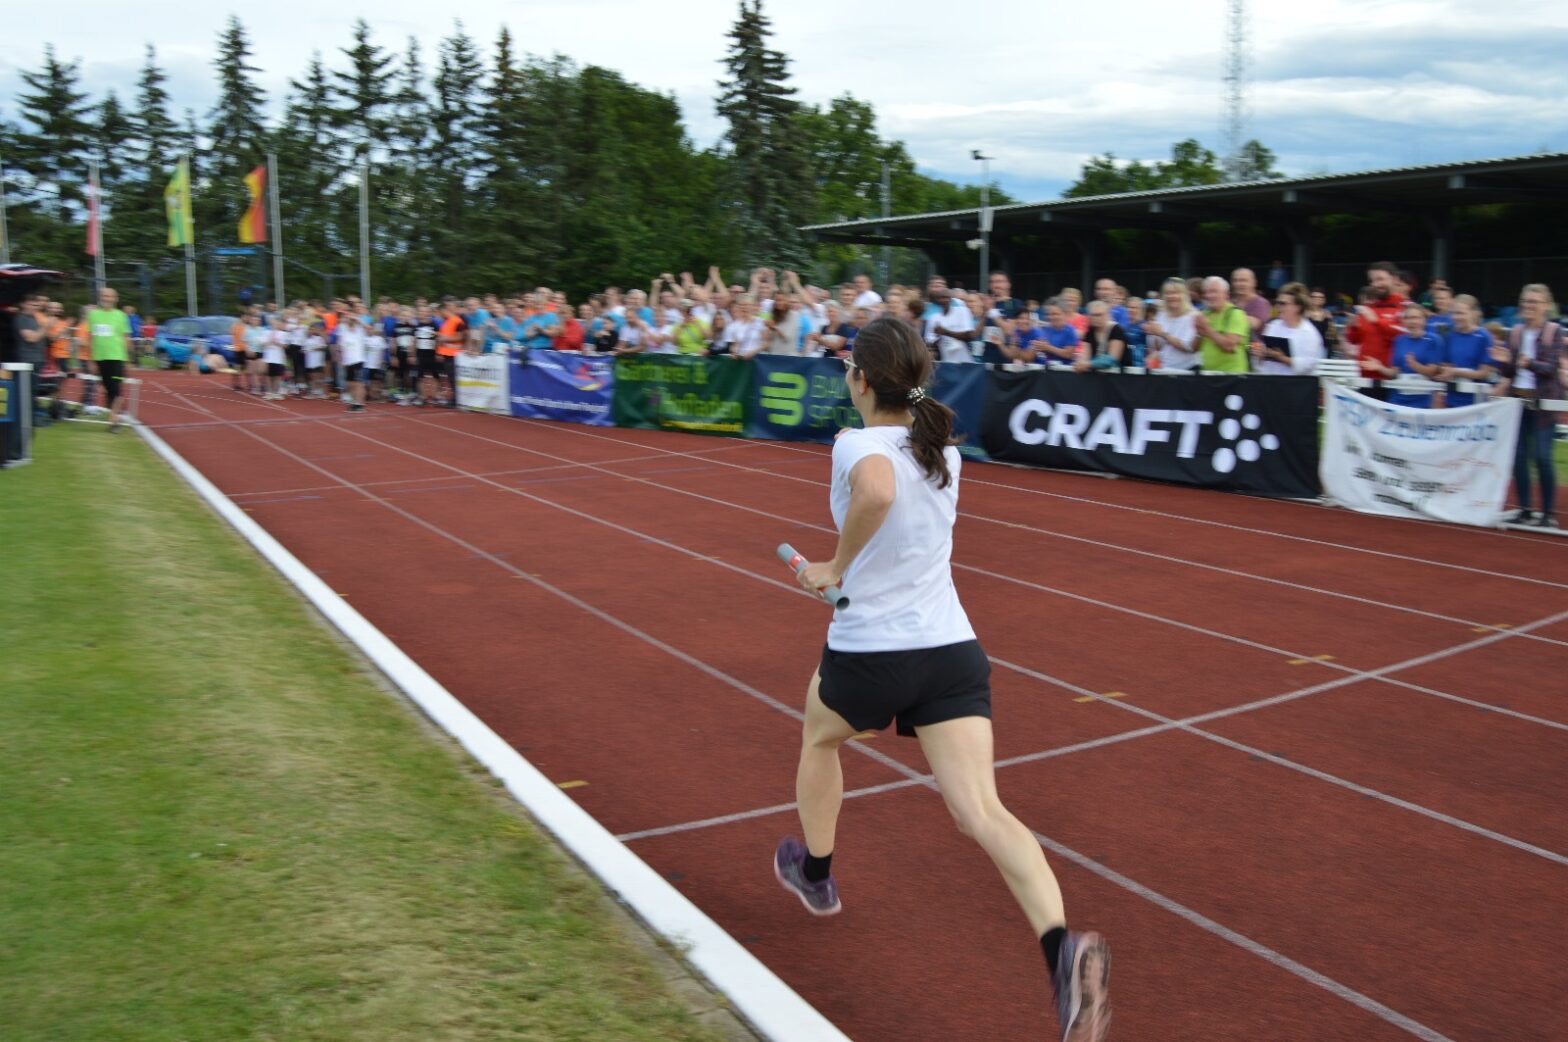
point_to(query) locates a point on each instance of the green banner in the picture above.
(674, 392)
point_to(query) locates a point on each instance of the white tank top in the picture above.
(900, 587)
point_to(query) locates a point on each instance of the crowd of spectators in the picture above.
(405, 352)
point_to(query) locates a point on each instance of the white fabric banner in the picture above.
(1441, 464)
(481, 382)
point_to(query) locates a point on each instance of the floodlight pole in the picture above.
(985, 220)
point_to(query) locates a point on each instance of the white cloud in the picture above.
(1339, 85)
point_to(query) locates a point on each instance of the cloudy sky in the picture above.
(1336, 85)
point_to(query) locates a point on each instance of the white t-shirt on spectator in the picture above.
(1524, 376)
(1306, 348)
(666, 339)
(315, 352)
(375, 351)
(272, 350)
(868, 299)
(745, 338)
(900, 585)
(351, 342)
(957, 317)
(630, 335)
(1183, 327)
(705, 312)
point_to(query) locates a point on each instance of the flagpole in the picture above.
(190, 246)
(277, 230)
(5, 233)
(364, 233)
(97, 227)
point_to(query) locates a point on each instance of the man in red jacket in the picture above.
(1374, 326)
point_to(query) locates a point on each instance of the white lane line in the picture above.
(1171, 722)
(1311, 772)
(1099, 544)
(1170, 905)
(1288, 653)
(1462, 530)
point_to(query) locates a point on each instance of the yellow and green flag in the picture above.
(177, 205)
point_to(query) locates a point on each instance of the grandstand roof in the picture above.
(1423, 189)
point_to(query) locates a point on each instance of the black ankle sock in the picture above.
(1051, 943)
(817, 868)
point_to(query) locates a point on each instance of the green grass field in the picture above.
(217, 826)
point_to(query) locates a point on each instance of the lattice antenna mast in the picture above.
(1235, 87)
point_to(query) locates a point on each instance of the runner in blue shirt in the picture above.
(1466, 349)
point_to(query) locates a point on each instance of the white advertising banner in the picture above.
(1440, 464)
(481, 382)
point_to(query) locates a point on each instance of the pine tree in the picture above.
(409, 195)
(114, 139)
(310, 169)
(772, 191)
(409, 133)
(510, 239)
(366, 96)
(53, 155)
(237, 133)
(456, 118)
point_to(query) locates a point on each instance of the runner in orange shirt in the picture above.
(449, 341)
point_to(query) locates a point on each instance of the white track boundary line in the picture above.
(1247, 944)
(1168, 722)
(770, 1005)
(1379, 674)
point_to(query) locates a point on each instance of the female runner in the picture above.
(904, 650)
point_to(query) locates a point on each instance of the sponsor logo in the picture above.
(1130, 432)
(783, 399)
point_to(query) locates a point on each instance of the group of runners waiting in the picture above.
(402, 354)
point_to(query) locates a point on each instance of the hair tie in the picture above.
(917, 395)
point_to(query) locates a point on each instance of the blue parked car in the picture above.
(173, 344)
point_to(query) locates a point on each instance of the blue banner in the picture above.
(562, 385)
(800, 399)
(961, 387)
(805, 399)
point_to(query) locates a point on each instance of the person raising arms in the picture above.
(904, 650)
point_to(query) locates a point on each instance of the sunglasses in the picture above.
(849, 364)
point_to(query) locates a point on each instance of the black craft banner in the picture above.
(1239, 433)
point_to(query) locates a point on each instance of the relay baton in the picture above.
(832, 594)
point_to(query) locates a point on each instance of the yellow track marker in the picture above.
(1314, 658)
(1108, 694)
(1493, 628)
(571, 784)
(865, 734)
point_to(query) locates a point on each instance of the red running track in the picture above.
(1306, 769)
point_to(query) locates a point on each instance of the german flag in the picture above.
(253, 226)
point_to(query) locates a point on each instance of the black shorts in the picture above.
(274, 368)
(428, 364)
(111, 371)
(870, 689)
(351, 373)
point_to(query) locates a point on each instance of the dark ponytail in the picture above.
(897, 366)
